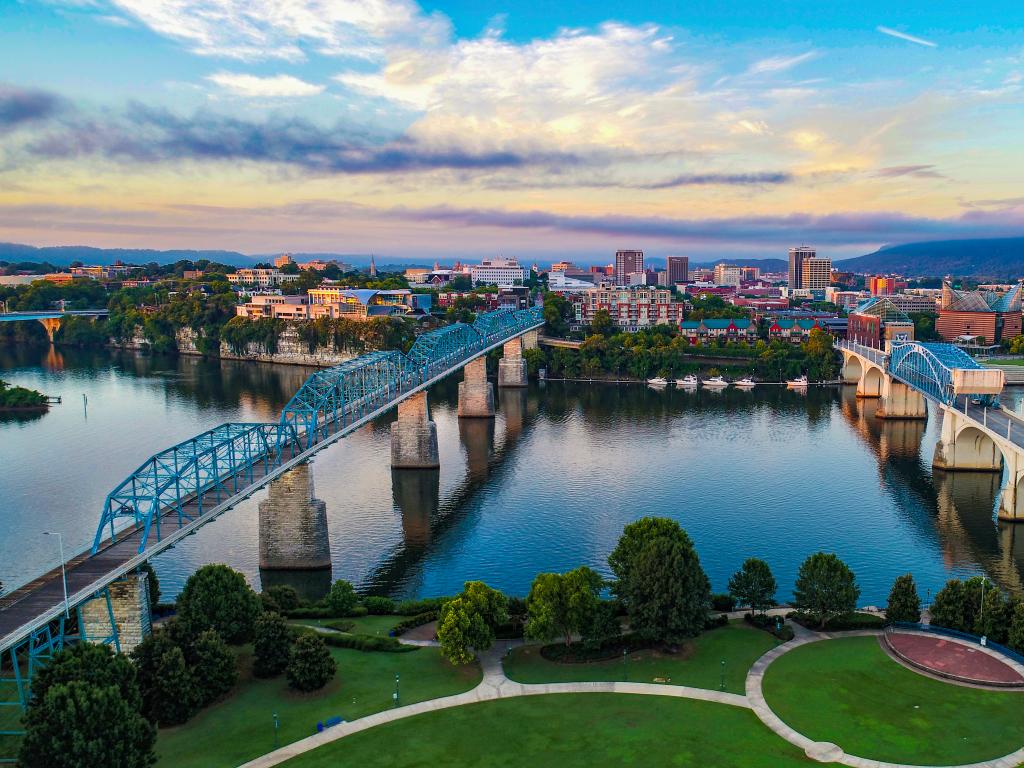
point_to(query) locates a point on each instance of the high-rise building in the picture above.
(796, 265)
(727, 274)
(750, 274)
(816, 274)
(677, 269)
(627, 263)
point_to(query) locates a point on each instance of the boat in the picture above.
(688, 382)
(800, 382)
(716, 382)
(658, 381)
(745, 383)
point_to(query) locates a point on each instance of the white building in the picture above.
(501, 272)
(260, 278)
(559, 281)
(727, 274)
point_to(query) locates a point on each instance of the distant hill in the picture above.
(62, 255)
(996, 258)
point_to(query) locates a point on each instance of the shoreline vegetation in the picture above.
(21, 400)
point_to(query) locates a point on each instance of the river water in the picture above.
(548, 485)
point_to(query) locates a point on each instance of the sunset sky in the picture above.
(460, 129)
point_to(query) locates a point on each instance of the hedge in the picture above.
(413, 621)
(844, 623)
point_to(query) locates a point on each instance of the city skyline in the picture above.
(456, 130)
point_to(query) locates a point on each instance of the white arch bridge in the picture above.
(978, 434)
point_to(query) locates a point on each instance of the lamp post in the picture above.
(277, 724)
(63, 571)
(721, 686)
(625, 668)
(395, 697)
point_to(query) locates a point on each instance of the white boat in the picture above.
(658, 381)
(745, 383)
(716, 382)
(688, 382)
(800, 382)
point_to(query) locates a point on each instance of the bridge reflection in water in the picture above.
(956, 509)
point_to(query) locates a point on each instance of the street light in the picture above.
(277, 725)
(395, 697)
(722, 684)
(63, 571)
(625, 668)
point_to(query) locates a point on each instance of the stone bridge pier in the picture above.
(293, 524)
(512, 366)
(125, 616)
(476, 394)
(414, 435)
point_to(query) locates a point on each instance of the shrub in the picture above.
(844, 623)
(379, 606)
(715, 620)
(272, 646)
(367, 643)
(414, 621)
(722, 602)
(311, 666)
(217, 597)
(342, 598)
(581, 652)
(308, 612)
(769, 624)
(169, 693)
(416, 607)
(281, 598)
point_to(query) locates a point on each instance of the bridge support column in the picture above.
(531, 339)
(293, 524)
(964, 447)
(51, 324)
(1011, 499)
(871, 382)
(129, 607)
(900, 401)
(512, 366)
(476, 395)
(414, 436)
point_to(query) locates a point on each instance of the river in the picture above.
(546, 486)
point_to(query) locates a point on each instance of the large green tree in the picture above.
(635, 536)
(904, 603)
(825, 587)
(217, 597)
(86, 710)
(342, 598)
(754, 585)
(562, 604)
(947, 610)
(169, 692)
(467, 622)
(311, 666)
(272, 646)
(214, 666)
(668, 594)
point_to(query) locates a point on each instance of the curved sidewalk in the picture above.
(495, 685)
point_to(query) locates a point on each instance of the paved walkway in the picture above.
(495, 685)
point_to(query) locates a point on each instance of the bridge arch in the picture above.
(853, 369)
(976, 450)
(871, 382)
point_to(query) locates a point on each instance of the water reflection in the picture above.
(294, 544)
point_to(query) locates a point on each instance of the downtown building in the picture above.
(988, 317)
(501, 272)
(627, 263)
(630, 307)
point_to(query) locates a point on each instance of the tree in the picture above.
(86, 710)
(602, 323)
(311, 666)
(994, 618)
(169, 692)
(272, 646)
(825, 587)
(754, 585)
(562, 604)
(1015, 636)
(604, 625)
(342, 598)
(214, 667)
(556, 311)
(947, 610)
(153, 583)
(668, 593)
(284, 596)
(468, 621)
(634, 538)
(217, 597)
(904, 603)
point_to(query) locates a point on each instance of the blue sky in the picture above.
(470, 128)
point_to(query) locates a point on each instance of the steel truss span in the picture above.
(932, 368)
(180, 483)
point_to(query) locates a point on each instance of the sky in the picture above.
(540, 130)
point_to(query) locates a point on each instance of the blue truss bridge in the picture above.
(181, 488)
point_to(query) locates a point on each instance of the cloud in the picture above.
(20, 105)
(284, 29)
(710, 179)
(904, 36)
(251, 86)
(145, 134)
(917, 171)
(780, 63)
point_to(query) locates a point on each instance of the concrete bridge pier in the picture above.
(293, 525)
(414, 436)
(476, 395)
(51, 324)
(899, 401)
(128, 607)
(531, 339)
(512, 366)
(962, 446)
(1011, 496)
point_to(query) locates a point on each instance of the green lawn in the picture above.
(570, 731)
(1010, 361)
(698, 664)
(849, 692)
(364, 625)
(241, 727)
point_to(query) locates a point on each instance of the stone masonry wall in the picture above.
(129, 598)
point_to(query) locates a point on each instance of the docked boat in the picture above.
(688, 382)
(800, 382)
(745, 383)
(658, 381)
(716, 382)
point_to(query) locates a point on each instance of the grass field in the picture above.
(364, 625)
(241, 727)
(698, 664)
(849, 692)
(570, 731)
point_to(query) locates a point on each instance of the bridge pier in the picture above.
(476, 395)
(1011, 496)
(512, 366)
(51, 324)
(531, 339)
(293, 525)
(125, 616)
(962, 446)
(414, 436)
(899, 401)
